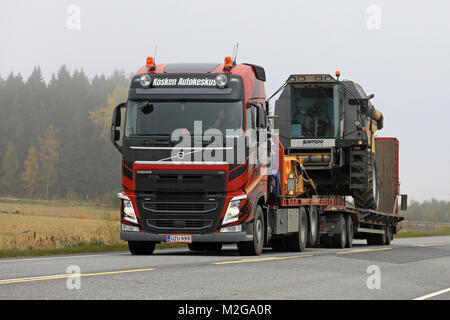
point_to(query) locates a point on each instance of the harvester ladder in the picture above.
(358, 169)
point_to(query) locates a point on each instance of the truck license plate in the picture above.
(179, 238)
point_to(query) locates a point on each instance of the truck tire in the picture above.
(369, 198)
(340, 239)
(139, 248)
(254, 247)
(297, 242)
(314, 226)
(278, 244)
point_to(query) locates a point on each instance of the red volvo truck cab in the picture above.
(191, 172)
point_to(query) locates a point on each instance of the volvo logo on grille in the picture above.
(144, 171)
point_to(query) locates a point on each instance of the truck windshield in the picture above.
(315, 111)
(163, 117)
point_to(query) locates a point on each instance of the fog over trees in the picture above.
(53, 142)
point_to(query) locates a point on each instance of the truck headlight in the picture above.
(233, 210)
(127, 209)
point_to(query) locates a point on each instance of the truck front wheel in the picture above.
(141, 247)
(254, 248)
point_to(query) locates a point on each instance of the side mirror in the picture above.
(364, 103)
(364, 106)
(251, 104)
(404, 202)
(262, 118)
(115, 125)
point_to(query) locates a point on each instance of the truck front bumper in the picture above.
(210, 237)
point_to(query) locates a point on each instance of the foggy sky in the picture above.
(405, 62)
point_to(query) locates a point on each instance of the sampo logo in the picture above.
(317, 141)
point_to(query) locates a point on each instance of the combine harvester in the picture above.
(202, 165)
(329, 127)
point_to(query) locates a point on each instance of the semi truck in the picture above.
(203, 164)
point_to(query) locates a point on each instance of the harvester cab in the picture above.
(330, 125)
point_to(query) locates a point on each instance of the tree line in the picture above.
(53, 135)
(429, 210)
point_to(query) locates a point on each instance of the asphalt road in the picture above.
(414, 268)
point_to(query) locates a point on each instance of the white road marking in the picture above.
(431, 295)
(432, 245)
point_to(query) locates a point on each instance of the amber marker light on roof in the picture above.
(228, 62)
(150, 63)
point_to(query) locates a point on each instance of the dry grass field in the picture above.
(30, 226)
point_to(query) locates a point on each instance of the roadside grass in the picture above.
(445, 232)
(76, 248)
(411, 229)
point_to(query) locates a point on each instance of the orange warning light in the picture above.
(150, 62)
(228, 62)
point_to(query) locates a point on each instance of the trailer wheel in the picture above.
(340, 239)
(141, 247)
(297, 242)
(278, 244)
(313, 223)
(350, 234)
(254, 247)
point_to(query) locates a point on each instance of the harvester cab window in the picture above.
(315, 111)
